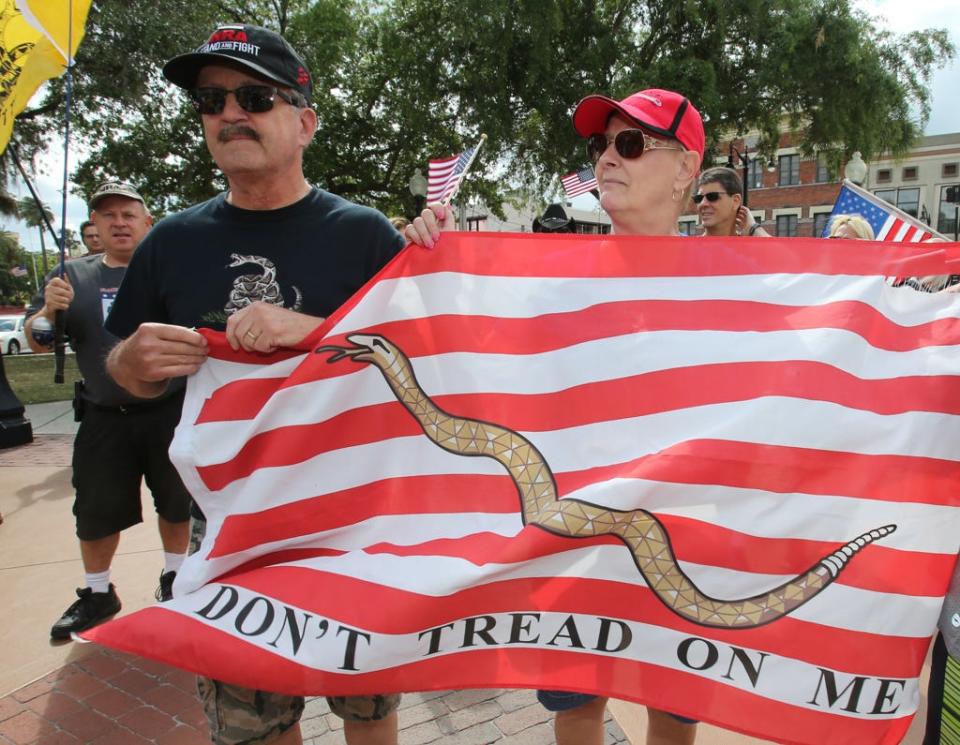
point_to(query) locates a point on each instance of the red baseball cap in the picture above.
(662, 112)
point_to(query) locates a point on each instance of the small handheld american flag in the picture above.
(579, 182)
(445, 174)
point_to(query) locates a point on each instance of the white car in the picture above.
(12, 338)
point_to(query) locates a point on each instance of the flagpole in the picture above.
(466, 169)
(59, 319)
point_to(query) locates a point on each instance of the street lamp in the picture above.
(745, 160)
(856, 169)
(418, 187)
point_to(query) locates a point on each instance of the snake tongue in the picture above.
(342, 352)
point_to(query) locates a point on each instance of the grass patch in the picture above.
(31, 377)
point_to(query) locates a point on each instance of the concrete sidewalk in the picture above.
(60, 694)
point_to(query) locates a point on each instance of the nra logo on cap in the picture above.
(228, 34)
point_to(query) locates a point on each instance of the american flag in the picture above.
(888, 222)
(445, 174)
(579, 182)
(767, 403)
(18, 271)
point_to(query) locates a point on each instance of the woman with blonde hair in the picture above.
(851, 228)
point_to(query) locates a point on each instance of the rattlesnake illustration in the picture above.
(640, 530)
(249, 288)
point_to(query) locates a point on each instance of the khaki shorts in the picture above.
(241, 716)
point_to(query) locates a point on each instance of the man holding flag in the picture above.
(268, 261)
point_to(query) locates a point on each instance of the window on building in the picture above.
(789, 170)
(947, 220)
(755, 174)
(688, 227)
(823, 169)
(787, 226)
(949, 170)
(820, 220)
(906, 199)
(910, 173)
(884, 176)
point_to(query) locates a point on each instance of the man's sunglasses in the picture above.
(254, 99)
(710, 196)
(629, 143)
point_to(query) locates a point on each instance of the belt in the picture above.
(137, 406)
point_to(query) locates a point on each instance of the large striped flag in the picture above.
(888, 222)
(579, 182)
(34, 47)
(714, 477)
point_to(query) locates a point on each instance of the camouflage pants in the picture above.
(241, 716)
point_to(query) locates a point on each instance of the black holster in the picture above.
(79, 403)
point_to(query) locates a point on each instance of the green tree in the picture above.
(36, 216)
(13, 290)
(399, 81)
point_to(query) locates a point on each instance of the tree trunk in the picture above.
(43, 249)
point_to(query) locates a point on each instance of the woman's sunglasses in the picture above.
(629, 143)
(254, 99)
(710, 196)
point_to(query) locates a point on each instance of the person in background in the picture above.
(850, 228)
(719, 201)
(121, 440)
(90, 237)
(646, 151)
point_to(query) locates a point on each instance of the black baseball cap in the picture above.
(115, 189)
(255, 48)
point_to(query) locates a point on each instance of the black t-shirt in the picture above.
(198, 266)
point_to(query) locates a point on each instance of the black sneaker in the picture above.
(92, 608)
(165, 590)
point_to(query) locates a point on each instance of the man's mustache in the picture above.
(232, 130)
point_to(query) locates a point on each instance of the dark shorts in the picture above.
(113, 452)
(566, 700)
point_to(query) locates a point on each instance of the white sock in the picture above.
(172, 562)
(98, 581)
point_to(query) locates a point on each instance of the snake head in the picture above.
(367, 348)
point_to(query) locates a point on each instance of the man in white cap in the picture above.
(121, 439)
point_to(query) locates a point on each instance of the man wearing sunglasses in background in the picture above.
(720, 205)
(311, 249)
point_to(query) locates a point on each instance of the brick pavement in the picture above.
(45, 450)
(111, 698)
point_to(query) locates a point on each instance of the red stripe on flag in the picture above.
(512, 255)
(786, 470)
(770, 468)
(397, 496)
(243, 399)
(640, 395)
(888, 570)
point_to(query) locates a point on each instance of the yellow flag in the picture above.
(33, 48)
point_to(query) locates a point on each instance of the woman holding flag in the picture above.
(646, 151)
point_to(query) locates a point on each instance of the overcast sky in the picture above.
(893, 14)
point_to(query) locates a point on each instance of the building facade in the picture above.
(793, 195)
